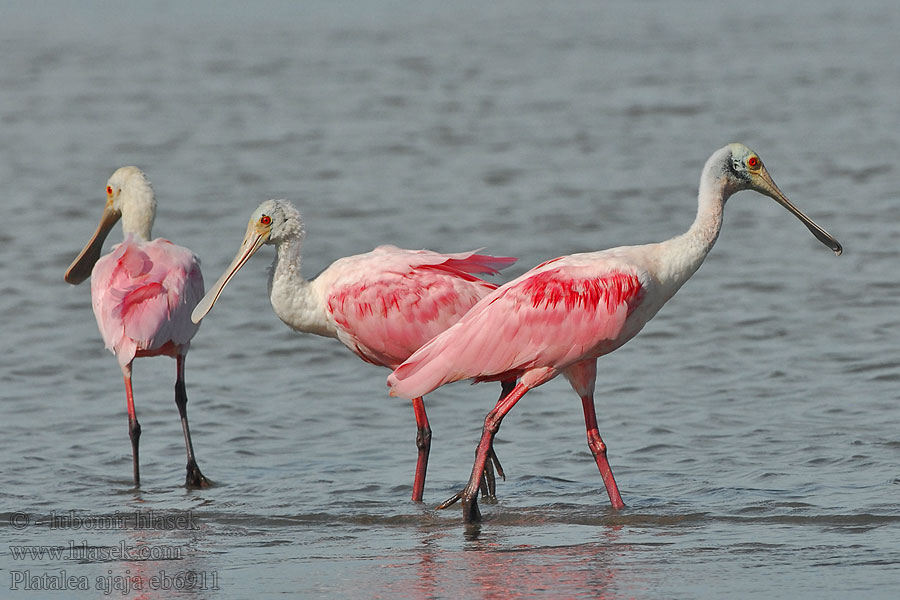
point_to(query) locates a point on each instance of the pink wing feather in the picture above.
(387, 303)
(546, 320)
(143, 294)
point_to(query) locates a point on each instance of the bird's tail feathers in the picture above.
(419, 375)
(481, 264)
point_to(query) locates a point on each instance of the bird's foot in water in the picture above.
(469, 495)
(471, 514)
(195, 479)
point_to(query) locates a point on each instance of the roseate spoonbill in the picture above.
(142, 292)
(562, 315)
(382, 305)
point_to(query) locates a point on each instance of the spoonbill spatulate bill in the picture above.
(143, 293)
(382, 305)
(560, 316)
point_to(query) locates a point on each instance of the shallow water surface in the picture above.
(753, 426)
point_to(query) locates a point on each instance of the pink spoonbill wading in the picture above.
(142, 293)
(382, 305)
(560, 316)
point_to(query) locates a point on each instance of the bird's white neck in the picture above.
(294, 298)
(681, 256)
(138, 213)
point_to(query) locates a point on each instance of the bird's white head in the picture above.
(277, 221)
(273, 222)
(129, 196)
(738, 168)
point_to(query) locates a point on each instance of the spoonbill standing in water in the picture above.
(382, 305)
(562, 315)
(143, 293)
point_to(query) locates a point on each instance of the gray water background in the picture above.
(753, 426)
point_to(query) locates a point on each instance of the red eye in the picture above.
(109, 190)
(753, 162)
(265, 220)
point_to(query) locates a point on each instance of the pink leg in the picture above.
(598, 448)
(134, 428)
(489, 480)
(194, 478)
(469, 495)
(423, 443)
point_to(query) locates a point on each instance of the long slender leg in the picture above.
(598, 448)
(469, 496)
(194, 478)
(489, 481)
(423, 443)
(134, 428)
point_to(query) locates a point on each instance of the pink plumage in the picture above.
(544, 321)
(143, 294)
(385, 304)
